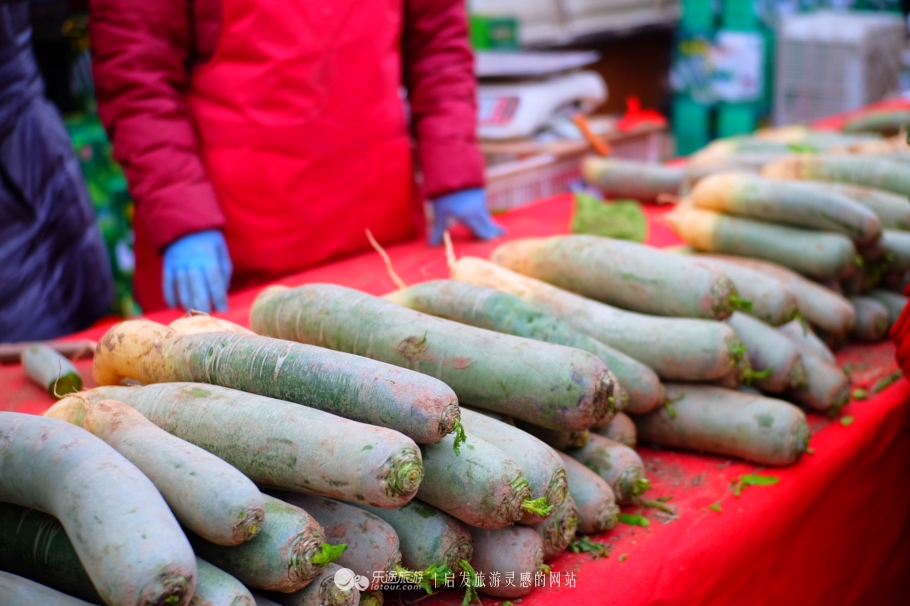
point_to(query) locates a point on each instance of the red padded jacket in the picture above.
(144, 53)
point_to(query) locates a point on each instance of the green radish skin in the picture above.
(770, 301)
(617, 464)
(428, 537)
(492, 309)
(558, 530)
(872, 320)
(630, 179)
(50, 370)
(555, 438)
(897, 248)
(629, 275)
(820, 306)
(371, 598)
(214, 587)
(594, 500)
(787, 202)
(725, 422)
(542, 467)
(64, 471)
(281, 445)
(515, 550)
(827, 388)
(893, 302)
(207, 495)
(35, 546)
(568, 388)
(17, 591)
(877, 121)
(371, 541)
(820, 255)
(769, 351)
(353, 387)
(892, 210)
(673, 347)
(805, 339)
(844, 168)
(621, 429)
(322, 591)
(280, 558)
(480, 485)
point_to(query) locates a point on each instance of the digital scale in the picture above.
(535, 94)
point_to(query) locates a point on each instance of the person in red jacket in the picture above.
(260, 137)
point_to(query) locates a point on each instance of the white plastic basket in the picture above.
(832, 62)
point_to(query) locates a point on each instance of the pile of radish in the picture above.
(470, 426)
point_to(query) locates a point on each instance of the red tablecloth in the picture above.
(835, 530)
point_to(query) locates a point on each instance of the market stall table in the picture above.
(835, 529)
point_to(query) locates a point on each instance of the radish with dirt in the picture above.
(676, 348)
(626, 274)
(617, 464)
(775, 361)
(62, 470)
(513, 551)
(492, 309)
(721, 421)
(594, 500)
(350, 386)
(276, 444)
(541, 465)
(568, 389)
(558, 530)
(621, 429)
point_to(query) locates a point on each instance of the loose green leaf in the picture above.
(715, 506)
(846, 420)
(740, 304)
(620, 219)
(665, 499)
(885, 382)
(655, 504)
(586, 545)
(634, 520)
(472, 582)
(623, 557)
(171, 599)
(750, 375)
(671, 410)
(460, 436)
(747, 480)
(544, 569)
(538, 507)
(859, 394)
(329, 553)
(802, 148)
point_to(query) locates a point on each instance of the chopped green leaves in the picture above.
(886, 381)
(460, 436)
(859, 394)
(586, 545)
(657, 504)
(623, 557)
(846, 420)
(715, 506)
(544, 569)
(537, 506)
(740, 304)
(620, 219)
(471, 581)
(671, 410)
(329, 553)
(634, 520)
(750, 375)
(753, 479)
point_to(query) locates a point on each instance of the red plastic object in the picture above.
(636, 116)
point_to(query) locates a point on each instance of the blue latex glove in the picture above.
(197, 271)
(468, 206)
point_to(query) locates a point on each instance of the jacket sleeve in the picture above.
(141, 53)
(438, 68)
